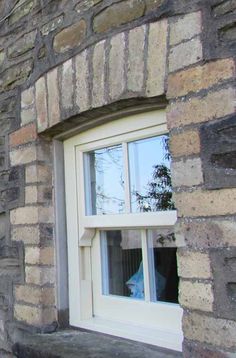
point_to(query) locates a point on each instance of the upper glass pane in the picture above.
(104, 174)
(149, 170)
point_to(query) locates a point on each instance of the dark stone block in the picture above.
(218, 153)
(224, 274)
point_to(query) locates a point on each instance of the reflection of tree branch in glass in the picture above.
(156, 195)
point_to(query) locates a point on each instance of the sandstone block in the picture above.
(185, 143)
(23, 135)
(153, 4)
(34, 315)
(205, 203)
(52, 25)
(28, 115)
(185, 27)
(200, 77)
(68, 84)
(39, 256)
(118, 14)
(197, 110)
(196, 295)
(23, 155)
(27, 97)
(205, 329)
(31, 194)
(22, 45)
(187, 172)
(41, 104)
(38, 275)
(135, 72)
(27, 234)
(38, 173)
(193, 264)
(53, 97)
(24, 215)
(34, 295)
(70, 37)
(98, 91)
(185, 54)
(157, 57)
(82, 81)
(116, 66)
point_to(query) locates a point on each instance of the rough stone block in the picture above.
(206, 329)
(117, 66)
(135, 71)
(52, 25)
(27, 97)
(201, 77)
(39, 256)
(23, 155)
(185, 54)
(34, 295)
(193, 264)
(152, 5)
(196, 295)
(205, 203)
(185, 27)
(28, 234)
(157, 57)
(82, 81)
(118, 14)
(68, 84)
(33, 315)
(22, 45)
(187, 172)
(24, 215)
(197, 110)
(28, 115)
(98, 91)
(224, 275)
(185, 143)
(37, 173)
(70, 37)
(218, 151)
(23, 135)
(41, 104)
(38, 275)
(53, 97)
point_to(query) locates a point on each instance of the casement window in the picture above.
(120, 216)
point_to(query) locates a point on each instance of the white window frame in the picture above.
(81, 228)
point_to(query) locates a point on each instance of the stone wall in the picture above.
(111, 56)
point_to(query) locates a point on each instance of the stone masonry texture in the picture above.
(66, 64)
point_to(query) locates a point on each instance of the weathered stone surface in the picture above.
(98, 90)
(91, 345)
(41, 104)
(205, 203)
(185, 143)
(52, 25)
(196, 295)
(117, 66)
(86, 5)
(34, 295)
(22, 45)
(224, 8)
(34, 315)
(22, 9)
(193, 264)
(200, 77)
(70, 37)
(185, 54)
(38, 275)
(23, 135)
(135, 72)
(27, 234)
(205, 233)
(15, 76)
(187, 172)
(118, 14)
(196, 350)
(24, 215)
(153, 4)
(185, 27)
(2, 56)
(157, 57)
(68, 83)
(23, 155)
(82, 81)
(37, 173)
(27, 97)
(197, 110)
(39, 256)
(53, 97)
(205, 329)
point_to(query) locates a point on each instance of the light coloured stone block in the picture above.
(117, 66)
(185, 27)
(53, 97)
(193, 264)
(187, 172)
(98, 90)
(82, 81)
(196, 295)
(67, 85)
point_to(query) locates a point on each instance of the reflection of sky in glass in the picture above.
(144, 155)
(106, 178)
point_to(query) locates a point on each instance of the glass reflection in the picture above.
(105, 171)
(150, 180)
(122, 263)
(162, 266)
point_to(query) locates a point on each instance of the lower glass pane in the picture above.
(122, 268)
(162, 266)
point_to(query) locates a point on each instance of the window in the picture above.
(122, 253)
